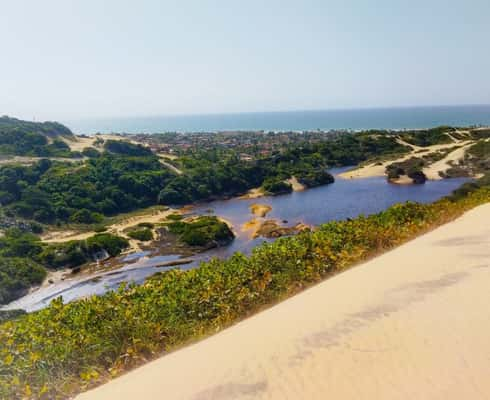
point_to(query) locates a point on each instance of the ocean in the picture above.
(350, 119)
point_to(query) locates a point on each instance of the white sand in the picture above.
(413, 323)
(370, 170)
(78, 143)
(297, 185)
(432, 171)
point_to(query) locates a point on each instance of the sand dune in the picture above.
(411, 324)
(432, 172)
(379, 169)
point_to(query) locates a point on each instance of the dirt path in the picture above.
(411, 324)
(170, 166)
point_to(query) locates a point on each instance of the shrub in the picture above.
(174, 217)
(78, 252)
(143, 235)
(90, 152)
(204, 231)
(17, 275)
(126, 148)
(275, 187)
(316, 178)
(148, 225)
(85, 216)
(105, 241)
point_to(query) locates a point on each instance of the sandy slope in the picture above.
(378, 169)
(432, 171)
(411, 324)
(78, 143)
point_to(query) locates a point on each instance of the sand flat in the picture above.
(411, 324)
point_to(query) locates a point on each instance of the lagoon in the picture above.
(346, 198)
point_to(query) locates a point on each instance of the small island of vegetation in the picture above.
(203, 231)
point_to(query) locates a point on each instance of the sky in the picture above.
(108, 58)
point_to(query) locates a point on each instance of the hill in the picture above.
(37, 139)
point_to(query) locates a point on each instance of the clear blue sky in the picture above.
(94, 58)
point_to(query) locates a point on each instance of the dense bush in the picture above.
(128, 149)
(17, 275)
(52, 192)
(78, 252)
(203, 231)
(90, 152)
(315, 178)
(143, 235)
(276, 186)
(27, 138)
(411, 167)
(16, 243)
(65, 348)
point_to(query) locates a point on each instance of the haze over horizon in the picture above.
(73, 60)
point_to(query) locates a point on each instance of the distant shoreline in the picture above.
(400, 118)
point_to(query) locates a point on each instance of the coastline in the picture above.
(381, 330)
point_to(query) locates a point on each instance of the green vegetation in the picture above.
(75, 253)
(19, 269)
(315, 178)
(127, 176)
(24, 259)
(53, 192)
(143, 235)
(480, 133)
(17, 275)
(90, 152)
(276, 186)
(476, 161)
(38, 139)
(148, 225)
(62, 349)
(411, 167)
(127, 149)
(480, 149)
(428, 137)
(205, 231)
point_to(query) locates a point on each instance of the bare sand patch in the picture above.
(78, 143)
(297, 186)
(260, 210)
(253, 194)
